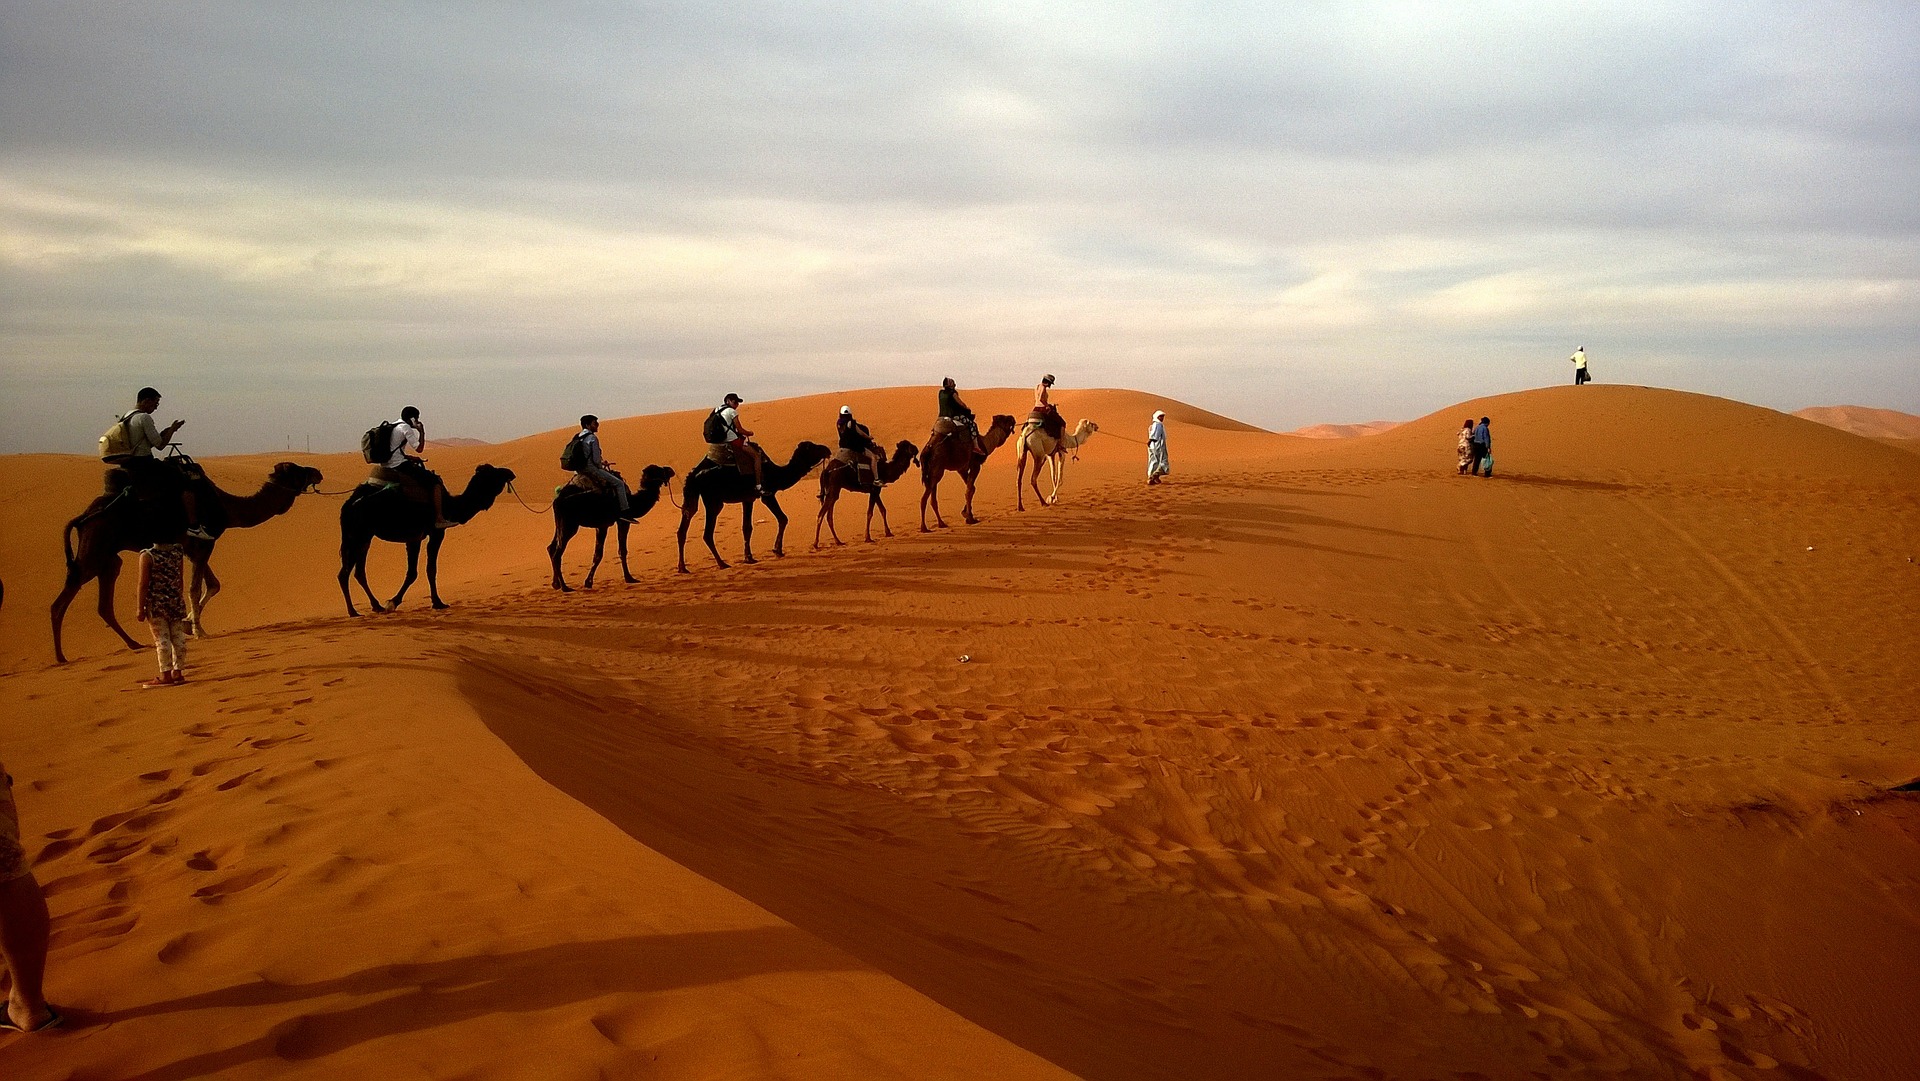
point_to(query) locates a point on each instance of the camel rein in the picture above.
(524, 503)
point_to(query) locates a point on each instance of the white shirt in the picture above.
(405, 437)
(731, 417)
(1579, 358)
(145, 434)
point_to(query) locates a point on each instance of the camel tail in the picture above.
(66, 540)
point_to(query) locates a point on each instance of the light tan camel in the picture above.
(1035, 443)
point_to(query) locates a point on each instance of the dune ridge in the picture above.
(1318, 762)
(1863, 420)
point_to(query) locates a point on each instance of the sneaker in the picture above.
(199, 533)
(444, 524)
(157, 681)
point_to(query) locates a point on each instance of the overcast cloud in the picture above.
(296, 218)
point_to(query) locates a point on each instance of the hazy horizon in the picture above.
(293, 221)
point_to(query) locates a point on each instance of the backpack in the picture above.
(574, 457)
(715, 430)
(116, 443)
(377, 445)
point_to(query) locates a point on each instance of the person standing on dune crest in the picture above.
(24, 926)
(1157, 466)
(1579, 359)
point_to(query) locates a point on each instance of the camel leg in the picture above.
(1033, 479)
(206, 586)
(826, 512)
(360, 574)
(873, 501)
(686, 519)
(624, 572)
(109, 573)
(563, 531)
(930, 494)
(76, 578)
(1056, 468)
(827, 497)
(599, 553)
(1020, 478)
(433, 567)
(413, 572)
(713, 516)
(780, 536)
(347, 561)
(966, 508)
(746, 532)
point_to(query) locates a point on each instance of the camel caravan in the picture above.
(156, 497)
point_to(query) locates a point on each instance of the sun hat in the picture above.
(846, 411)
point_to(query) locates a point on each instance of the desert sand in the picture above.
(1318, 761)
(1863, 420)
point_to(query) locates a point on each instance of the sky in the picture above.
(295, 218)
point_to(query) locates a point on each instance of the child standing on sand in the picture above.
(163, 604)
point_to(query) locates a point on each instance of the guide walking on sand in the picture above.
(1157, 466)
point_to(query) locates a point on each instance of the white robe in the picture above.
(1157, 451)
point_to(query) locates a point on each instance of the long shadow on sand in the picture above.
(413, 997)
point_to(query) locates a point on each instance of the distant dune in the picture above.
(1862, 420)
(1344, 431)
(459, 441)
(1318, 761)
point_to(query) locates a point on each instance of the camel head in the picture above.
(1083, 430)
(489, 481)
(907, 452)
(298, 478)
(807, 455)
(654, 476)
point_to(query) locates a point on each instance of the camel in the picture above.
(117, 523)
(1035, 443)
(716, 485)
(377, 510)
(596, 509)
(837, 476)
(944, 454)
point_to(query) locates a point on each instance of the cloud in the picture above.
(1228, 202)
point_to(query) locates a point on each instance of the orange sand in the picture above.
(1319, 762)
(1861, 420)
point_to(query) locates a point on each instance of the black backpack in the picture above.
(715, 430)
(574, 457)
(377, 445)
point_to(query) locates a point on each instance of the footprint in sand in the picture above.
(245, 880)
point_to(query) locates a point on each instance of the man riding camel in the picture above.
(596, 467)
(1044, 410)
(152, 476)
(955, 411)
(857, 440)
(410, 433)
(734, 437)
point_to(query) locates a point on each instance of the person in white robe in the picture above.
(1157, 448)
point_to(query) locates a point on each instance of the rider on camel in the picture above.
(1045, 411)
(598, 469)
(155, 477)
(855, 438)
(409, 433)
(736, 437)
(954, 410)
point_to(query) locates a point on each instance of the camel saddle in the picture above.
(582, 482)
(1049, 421)
(856, 461)
(408, 484)
(723, 454)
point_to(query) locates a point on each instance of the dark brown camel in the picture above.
(956, 454)
(377, 510)
(119, 523)
(837, 476)
(575, 507)
(716, 485)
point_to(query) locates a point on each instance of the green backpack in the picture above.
(574, 457)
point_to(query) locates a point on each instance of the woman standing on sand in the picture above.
(1465, 445)
(1157, 448)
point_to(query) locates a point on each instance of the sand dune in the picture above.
(1861, 420)
(1318, 762)
(1344, 431)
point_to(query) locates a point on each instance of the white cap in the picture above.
(846, 411)
(1159, 414)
